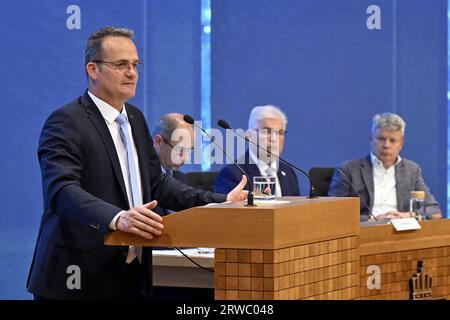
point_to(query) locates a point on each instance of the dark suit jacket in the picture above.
(180, 176)
(230, 175)
(83, 190)
(408, 177)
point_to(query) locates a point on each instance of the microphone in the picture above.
(312, 190)
(250, 203)
(359, 195)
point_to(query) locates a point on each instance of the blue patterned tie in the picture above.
(136, 196)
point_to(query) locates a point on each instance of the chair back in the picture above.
(321, 178)
(201, 180)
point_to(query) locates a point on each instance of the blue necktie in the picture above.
(136, 196)
(132, 173)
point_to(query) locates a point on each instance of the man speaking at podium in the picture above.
(100, 172)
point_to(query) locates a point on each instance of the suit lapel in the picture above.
(99, 123)
(180, 176)
(283, 178)
(401, 184)
(138, 134)
(366, 172)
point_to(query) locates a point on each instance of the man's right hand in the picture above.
(142, 221)
(393, 215)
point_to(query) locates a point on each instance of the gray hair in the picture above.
(94, 44)
(259, 113)
(390, 121)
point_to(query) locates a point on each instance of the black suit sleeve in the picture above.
(175, 195)
(169, 192)
(227, 179)
(61, 158)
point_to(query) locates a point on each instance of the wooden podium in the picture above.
(301, 249)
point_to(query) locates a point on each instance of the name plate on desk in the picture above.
(405, 224)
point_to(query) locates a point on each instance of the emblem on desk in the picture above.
(421, 285)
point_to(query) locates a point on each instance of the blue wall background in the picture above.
(315, 59)
(319, 62)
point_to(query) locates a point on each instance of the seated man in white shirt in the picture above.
(383, 180)
(267, 127)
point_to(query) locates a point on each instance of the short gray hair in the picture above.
(260, 113)
(94, 44)
(390, 121)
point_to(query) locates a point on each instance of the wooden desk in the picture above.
(396, 254)
(296, 248)
(301, 249)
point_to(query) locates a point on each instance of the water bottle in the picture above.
(416, 205)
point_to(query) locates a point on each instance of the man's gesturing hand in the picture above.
(238, 193)
(141, 220)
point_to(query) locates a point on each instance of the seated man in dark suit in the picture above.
(267, 128)
(383, 180)
(173, 142)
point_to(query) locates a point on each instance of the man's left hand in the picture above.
(238, 193)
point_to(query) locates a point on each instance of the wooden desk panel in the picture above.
(397, 254)
(320, 270)
(304, 249)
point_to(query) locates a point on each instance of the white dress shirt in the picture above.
(385, 191)
(265, 171)
(110, 114)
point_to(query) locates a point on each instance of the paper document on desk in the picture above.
(405, 224)
(271, 202)
(212, 204)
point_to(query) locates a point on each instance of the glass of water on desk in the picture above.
(264, 188)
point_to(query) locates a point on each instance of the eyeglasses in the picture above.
(269, 131)
(178, 149)
(122, 66)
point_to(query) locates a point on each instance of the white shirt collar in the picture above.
(262, 166)
(108, 112)
(166, 171)
(377, 162)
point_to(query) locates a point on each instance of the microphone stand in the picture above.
(312, 189)
(250, 197)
